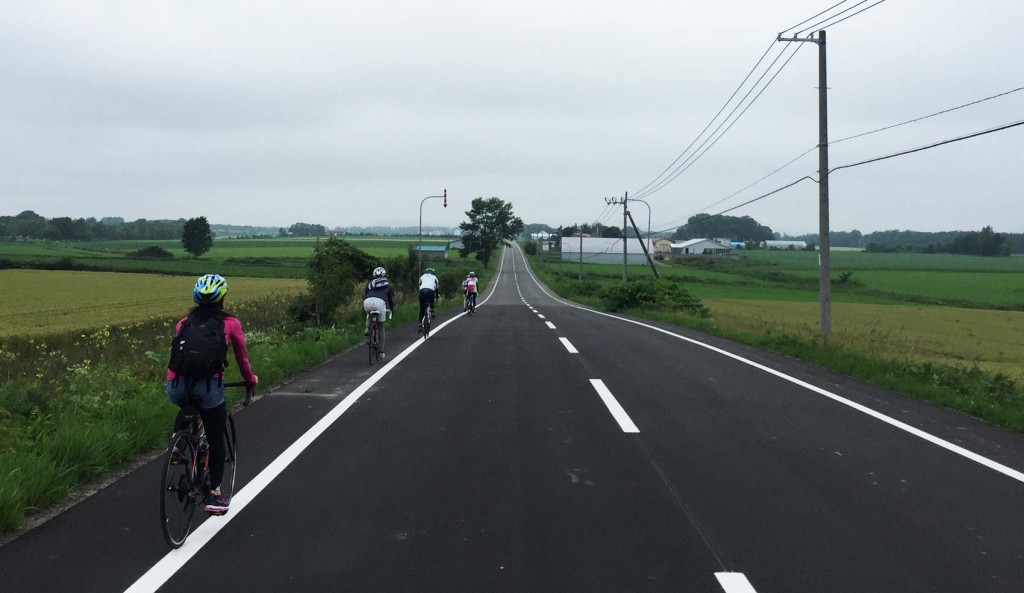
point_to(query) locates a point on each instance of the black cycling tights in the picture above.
(427, 299)
(214, 420)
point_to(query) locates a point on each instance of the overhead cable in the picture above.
(813, 17)
(816, 27)
(813, 148)
(693, 157)
(729, 100)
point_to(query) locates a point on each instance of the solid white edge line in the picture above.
(614, 407)
(993, 465)
(549, 324)
(568, 345)
(166, 567)
(734, 582)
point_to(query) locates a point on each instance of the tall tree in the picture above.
(490, 225)
(197, 238)
(334, 269)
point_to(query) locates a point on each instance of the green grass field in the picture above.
(947, 309)
(862, 260)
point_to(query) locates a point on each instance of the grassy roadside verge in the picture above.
(991, 396)
(76, 405)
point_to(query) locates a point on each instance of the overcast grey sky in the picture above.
(350, 113)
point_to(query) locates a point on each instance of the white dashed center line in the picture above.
(618, 413)
(734, 582)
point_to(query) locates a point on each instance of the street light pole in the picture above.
(445, 196)
(648, 216)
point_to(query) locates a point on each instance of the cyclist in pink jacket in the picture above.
(208, 392)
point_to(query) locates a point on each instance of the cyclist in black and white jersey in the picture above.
(379, 296)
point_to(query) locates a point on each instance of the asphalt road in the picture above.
(539, 446)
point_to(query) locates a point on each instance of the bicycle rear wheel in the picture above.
(373, 344)
(227, 484)
(180, 491)
(426, 326)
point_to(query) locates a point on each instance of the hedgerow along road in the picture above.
(541, 446)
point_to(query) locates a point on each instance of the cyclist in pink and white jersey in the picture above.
(469, 286)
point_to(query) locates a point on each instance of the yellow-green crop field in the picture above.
(992, 339)
(43, 301)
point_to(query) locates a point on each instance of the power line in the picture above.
(848, 16)
(933, 145)
(864, 162)
(682, 167)
(815, 26)
(662, 180)
(698, 156)
(813, 148)
(927, 116)
(813, 17)
(726, 104)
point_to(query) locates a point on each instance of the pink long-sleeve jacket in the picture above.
(236, 339)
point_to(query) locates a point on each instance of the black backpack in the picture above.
(199, 351)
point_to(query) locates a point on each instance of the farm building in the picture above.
(432, 251)
(700, 247)
(784, 244)
(605, 251)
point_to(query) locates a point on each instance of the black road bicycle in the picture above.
(373, 341)
(469, 305)
(185, 481)
(425, 324)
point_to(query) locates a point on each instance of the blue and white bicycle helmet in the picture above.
(210, 289)
(379, 272)
(430, 271)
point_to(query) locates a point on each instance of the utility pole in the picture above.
(581, 253)
(625, 214)
(824, 257)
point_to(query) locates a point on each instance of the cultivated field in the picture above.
(44, 301)
(942, 308)
(269, 258)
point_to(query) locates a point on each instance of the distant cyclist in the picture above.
(207, 330)
(469, 289)
(379, 296)
(428, 294)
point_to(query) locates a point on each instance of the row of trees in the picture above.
(736, 228)
(985, 242)
(30, 225)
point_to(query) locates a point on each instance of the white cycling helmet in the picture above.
(379, 272)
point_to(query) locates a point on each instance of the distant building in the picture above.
(604, 250)
(784, 244)
(700, 247)
(432, 251)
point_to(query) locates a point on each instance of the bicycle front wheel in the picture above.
(180, 490)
